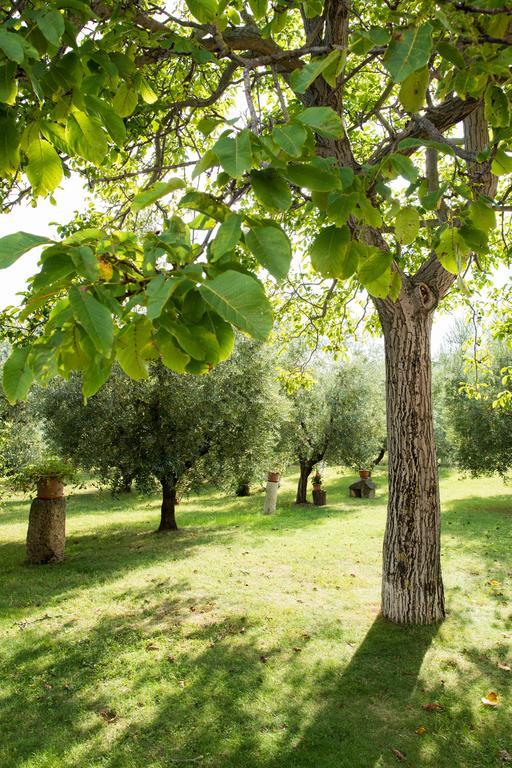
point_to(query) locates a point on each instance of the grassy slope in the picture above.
(278, 657)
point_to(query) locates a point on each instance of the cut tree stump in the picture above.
(320, 498)
(46, 535)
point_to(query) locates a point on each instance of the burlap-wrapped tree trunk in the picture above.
(46, 534)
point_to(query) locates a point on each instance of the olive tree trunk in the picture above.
(167, 513)
(306, 467)
(412, 586)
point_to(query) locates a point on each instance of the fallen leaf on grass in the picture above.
(48, 686)
(399, 755)
(151, 647)
(504, 667)
(420, 730)
(171, 659)
(181, 683)
(505, 756)
(432, 706)
(108, 714)
(490, 700)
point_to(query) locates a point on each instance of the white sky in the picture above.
(72, 197)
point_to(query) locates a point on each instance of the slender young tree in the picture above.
(338, 418)
(366, 137)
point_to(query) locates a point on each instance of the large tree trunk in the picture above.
(167, 516)
(412, 587)
(302, 487)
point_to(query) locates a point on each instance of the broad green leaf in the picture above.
(112, 122)
(258, 8)
(197, 341)
(17, 375)
(497, 107)
(368, 212)
(396, 285)
(452, 250)
(94, 318)
(329, 251)
(158, 293)
(86, 137)
(234, 155)
(172, 356)
(86, 262)
(15, 245)
(240, 300)
(302, 78)
(227, 236)
(44, 168)
(225, 335)
(133, 346)
(146, 91)
(409, 50)
(451, 54)
(413, 90)
(8, 83)
(374, 265)
(290, 138)
(335, 68)
(51, 25)
(204, 11)
(272, 248)
(77, 5)
(125, 100)
(10, 44)
(271, 189)
(482, 216)
(153, 193)
(407, 224)
(95, 375)
(404, 167)
(383, 285)
(323, 120)
(53, 269)
(314, 176)
(341, 206)
(9, 146)
(204, 203)
(207, 161)
(502, 163)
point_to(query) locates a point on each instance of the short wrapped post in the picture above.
(271, 493)
(46, 534)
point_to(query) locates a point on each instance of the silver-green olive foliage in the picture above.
(174, 427)
(339, 416)
(340, 102)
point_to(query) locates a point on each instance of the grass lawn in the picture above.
(246, 641)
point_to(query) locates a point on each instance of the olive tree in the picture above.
(339, 416)
(175, 429)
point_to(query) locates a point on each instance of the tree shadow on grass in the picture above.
(92, 560)
(480, 525)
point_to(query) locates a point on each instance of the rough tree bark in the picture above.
(306, 467)
(167, 513)
(412, 586)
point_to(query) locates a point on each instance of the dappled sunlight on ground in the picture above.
(246, 641)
